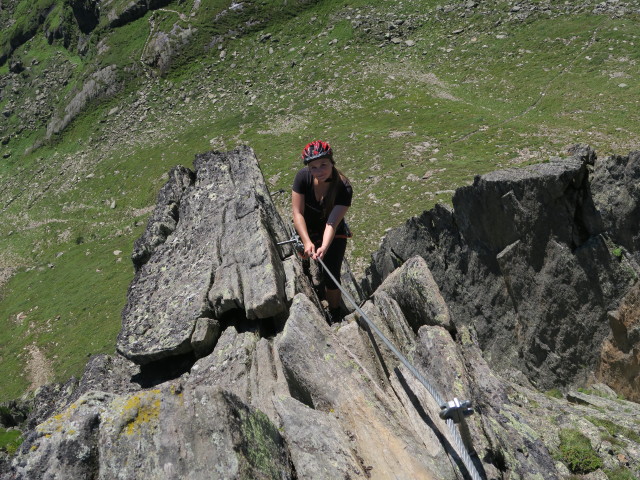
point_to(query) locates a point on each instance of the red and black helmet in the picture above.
(316, 150)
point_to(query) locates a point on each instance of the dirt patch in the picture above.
(436, 87)
(39, 370)
(8, 265)
(281, 124)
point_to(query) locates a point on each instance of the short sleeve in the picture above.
(344, 194)
(301, 181)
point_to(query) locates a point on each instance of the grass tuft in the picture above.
(577, 453)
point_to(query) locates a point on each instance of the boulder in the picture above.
(412, 286)
(200, 433)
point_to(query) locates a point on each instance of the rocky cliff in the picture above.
(532, 260)
(227, 368)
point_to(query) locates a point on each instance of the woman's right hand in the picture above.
(309, 250)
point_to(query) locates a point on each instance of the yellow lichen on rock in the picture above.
(147, 409)
(131, 413)
(56, 422)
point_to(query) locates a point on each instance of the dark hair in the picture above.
(330, 197)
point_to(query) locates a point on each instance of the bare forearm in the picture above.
(328, 235)
(337, 214)
(301, 228)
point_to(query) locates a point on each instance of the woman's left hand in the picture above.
(319, 253)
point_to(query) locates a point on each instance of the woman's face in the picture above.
(321, 169)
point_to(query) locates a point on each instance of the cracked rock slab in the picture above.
(220, 259)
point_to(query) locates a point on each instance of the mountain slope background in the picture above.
(100, 99)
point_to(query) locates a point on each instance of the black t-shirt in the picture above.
(313, 210)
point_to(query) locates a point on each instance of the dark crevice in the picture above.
(292, 465)
(265, 327)
(94, 458)
(454, 334)
(496, 458)
(164, 370)
(87, 15)
(297, 390)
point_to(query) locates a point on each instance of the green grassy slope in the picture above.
(416, 99)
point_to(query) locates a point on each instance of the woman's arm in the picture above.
(336, 216)
(297, 207)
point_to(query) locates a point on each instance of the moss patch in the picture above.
(614, 429)
(262, 444)
(577, 453)
(10, 440)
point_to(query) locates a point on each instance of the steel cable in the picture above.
(462, 449)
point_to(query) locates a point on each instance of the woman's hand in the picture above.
(319, 254)
(309, 250)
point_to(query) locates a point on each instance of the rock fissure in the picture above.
(163, 370)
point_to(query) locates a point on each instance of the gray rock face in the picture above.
(100, 84)
(522, 259)
(164, 433)
(163, 47)
(326, 377)
(218, 258)
(165, 216)
(318, 445)
(121, 13)
(417, 294)
(302, 399)
(616, 191)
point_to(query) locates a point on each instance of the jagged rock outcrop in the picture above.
(616, 192)
(524, 259)
(165, 217)
(205, 386)
(121, 13)
(162, 47)
(221, 261)
(100, 84)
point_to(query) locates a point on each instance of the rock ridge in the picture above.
(274, 391)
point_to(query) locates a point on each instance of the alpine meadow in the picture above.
(100, 100)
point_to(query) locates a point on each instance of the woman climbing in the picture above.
(320, 198)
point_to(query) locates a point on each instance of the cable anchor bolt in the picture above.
(456, 410)
(297, 243)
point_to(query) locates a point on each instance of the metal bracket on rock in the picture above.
(297, 243)
(456, 410)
